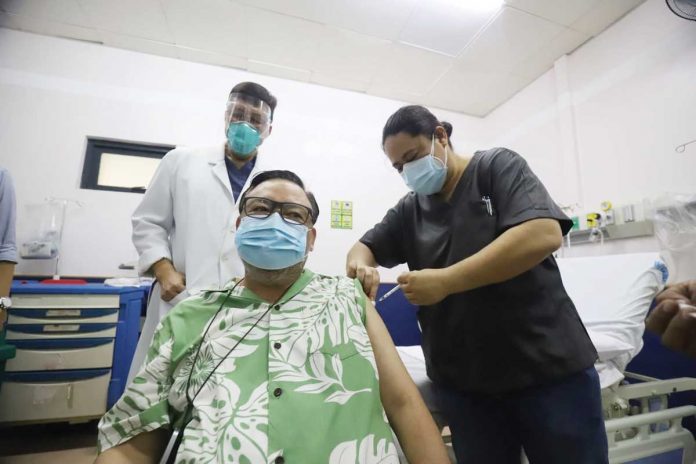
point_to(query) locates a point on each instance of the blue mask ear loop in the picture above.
(432, 151)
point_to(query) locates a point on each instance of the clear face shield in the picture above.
(243, 108)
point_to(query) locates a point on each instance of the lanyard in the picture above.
(170, 452)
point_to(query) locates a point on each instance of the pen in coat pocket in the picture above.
(489, 206)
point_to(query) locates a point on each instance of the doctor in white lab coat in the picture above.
(184, 228)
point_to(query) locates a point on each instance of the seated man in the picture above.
(283, 365)
(674, 317)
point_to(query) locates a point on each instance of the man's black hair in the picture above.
(284, 175)
(253, 89)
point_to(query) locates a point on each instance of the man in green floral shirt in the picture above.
(283, 366)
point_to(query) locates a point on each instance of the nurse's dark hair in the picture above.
(253, 89)
(290, 176)
(414, 120)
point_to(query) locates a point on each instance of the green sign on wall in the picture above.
(341, 214)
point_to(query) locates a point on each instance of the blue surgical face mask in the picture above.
(243, 138)
(426, 175)
(271, 243)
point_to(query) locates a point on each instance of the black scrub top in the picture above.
(501, 337)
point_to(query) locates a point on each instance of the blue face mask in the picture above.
(243, 138)
(271, 243)
(426, 175)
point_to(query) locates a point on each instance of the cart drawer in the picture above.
(61, 354)
(53, 395)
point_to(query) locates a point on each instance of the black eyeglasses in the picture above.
(261, 208)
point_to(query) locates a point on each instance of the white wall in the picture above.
(602, 124)
(55, 92)
(609, 134)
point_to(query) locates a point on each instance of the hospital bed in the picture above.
(613, 295)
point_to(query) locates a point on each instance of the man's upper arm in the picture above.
(395, 383)
(146, 448)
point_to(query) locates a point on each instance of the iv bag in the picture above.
(674, 218)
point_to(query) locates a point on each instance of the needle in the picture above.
(389, 293)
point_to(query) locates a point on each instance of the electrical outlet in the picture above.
(609, 217)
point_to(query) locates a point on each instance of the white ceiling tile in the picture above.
(281, 39)
(339, 82)
(410, 69)
(603, 15)
(60, 11)
(41, 26)
(538, 63)
(206, 57)
(276, 70)
(307, 9)
(6, 20)
(443, 29)
(112, 39)
(137, 18)
(9, 21)
(346, 54)
(379, 18)
(214, 25)
(474, 93)
(563, 12)
(509, 39)
(387, 91)
(345, 44)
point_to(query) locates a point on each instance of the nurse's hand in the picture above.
(172, 282)
(368, 277)
(424, 287)
(674, 317)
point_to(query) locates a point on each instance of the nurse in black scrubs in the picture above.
(503, 343)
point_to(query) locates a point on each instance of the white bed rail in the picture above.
(657, 388)
(652, 443)
(643, 421)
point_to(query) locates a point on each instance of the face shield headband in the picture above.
(242, 108)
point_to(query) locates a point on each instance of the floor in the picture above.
(49, 444)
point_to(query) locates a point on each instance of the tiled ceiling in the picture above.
(463, 55)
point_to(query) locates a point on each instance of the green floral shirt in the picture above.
(302, 384)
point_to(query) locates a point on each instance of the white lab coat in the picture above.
(187, 215)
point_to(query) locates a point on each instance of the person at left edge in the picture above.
(8, 246)
(184, 228)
